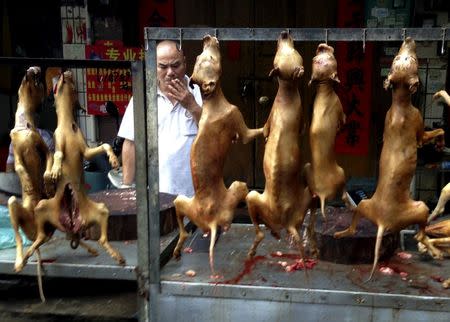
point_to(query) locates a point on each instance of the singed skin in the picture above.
(391, 207)
(31, 158)
(221, 124)
(326, 179)
(285, 199)
(71, 210)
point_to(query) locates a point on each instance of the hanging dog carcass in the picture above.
(71, 210)
(326, 179)
(391, 207)
(32, 161)
(220, 124)
(285, 198)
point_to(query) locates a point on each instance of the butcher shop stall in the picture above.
(320, 172)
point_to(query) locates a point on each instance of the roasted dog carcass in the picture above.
(326, 179)
(221, 123)
(391, 207)
(70, 210)
(285, 198)
(31, 158)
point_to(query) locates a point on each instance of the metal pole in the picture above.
(142, 201)
(147, 184)
(300, 34)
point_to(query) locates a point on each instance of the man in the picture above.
(179, 112)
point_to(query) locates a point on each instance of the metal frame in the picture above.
(150, 286)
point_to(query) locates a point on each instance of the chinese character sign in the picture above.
(104, 84)
(355, 92)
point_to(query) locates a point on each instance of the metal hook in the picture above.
(444, 30)
(364, 39)
(404, 34)
(326, 36)
(181, 36)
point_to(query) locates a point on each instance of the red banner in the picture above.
(105, 84)
(355, 72)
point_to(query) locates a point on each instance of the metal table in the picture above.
(200, 300)
(262, 290)
(59, 260)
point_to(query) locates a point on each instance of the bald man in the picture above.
(179, 110)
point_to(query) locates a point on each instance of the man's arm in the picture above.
(178, 90)
(128, 162)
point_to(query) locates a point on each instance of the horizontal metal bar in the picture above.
(68, 63)
(299, 34)
(312, 296)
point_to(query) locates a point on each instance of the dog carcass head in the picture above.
(207, 68)
(31, 88)
(288, 64)
(65, 89)
(324, 66)
(404, 69)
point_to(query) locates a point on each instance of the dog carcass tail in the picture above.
(211, 247)
(380, 233)
(39, 275)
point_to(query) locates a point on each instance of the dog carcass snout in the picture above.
(208, 87)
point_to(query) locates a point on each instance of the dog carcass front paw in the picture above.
(435, 252)
(113, 161)
(56, 173)
(48, 184)
(19, 265)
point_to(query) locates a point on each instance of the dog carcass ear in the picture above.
(335, 78)
(413, 84)
(387, 83)
(79, 107)
(274, 72)
(298, 72)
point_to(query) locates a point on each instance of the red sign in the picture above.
(355, 72)
(104, 84)
(155, 13)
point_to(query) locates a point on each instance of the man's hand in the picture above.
(179, 91)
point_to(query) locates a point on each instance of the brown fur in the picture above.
(220, 124)
(391, 207)
(71, 210)
(285, 198)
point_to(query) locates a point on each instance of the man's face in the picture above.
(170, 64)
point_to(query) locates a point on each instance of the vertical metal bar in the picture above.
(152, 179)
(140, 137)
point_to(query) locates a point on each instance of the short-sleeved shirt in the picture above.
(47, 136)
(176, 133)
